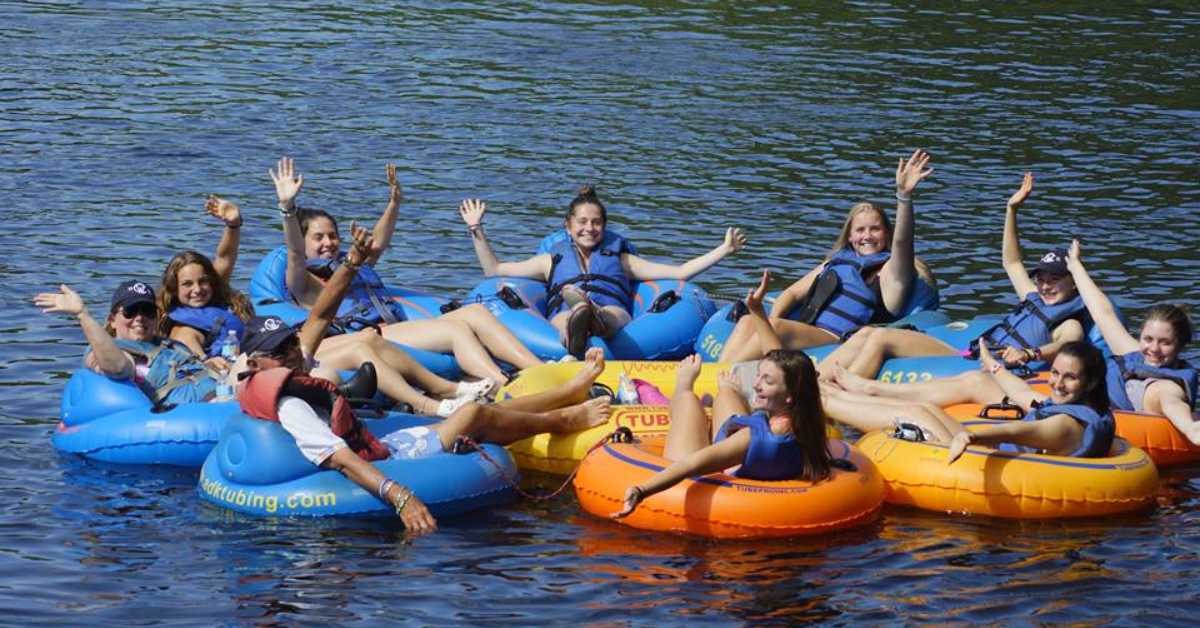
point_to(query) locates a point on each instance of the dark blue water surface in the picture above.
(118, 118)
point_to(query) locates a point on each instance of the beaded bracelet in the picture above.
(473, 230)
(903, 198)
(384, 485)
(403, 502)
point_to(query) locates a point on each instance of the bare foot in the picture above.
(688, 371)
(581, 416)
(852, 383)
(591, 368)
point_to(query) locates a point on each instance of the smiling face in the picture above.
(586, 226)
(1158, 343)
(1054, 288)
(194, 287)
(868, 233)
(321, 240)
(770, 390)
(1067, 383)
(135, 322)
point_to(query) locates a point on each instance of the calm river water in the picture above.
(117, 118)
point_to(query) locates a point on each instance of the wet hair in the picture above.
(805, 411)
(843, 239)
(306, 215)
(586, 196)
(1177, 318)
(1094, 375)
(222, 294)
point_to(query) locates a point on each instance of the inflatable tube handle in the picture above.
(1000, 408)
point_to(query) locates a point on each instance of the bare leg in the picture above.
(970, 387)
(398, 359)
(496, 424)
(574, 391)
(877, 344)
(613, 318)
(743, 344)
(448, 335)
(559, 322)
(497, 338)
(875, 413)
(351, 355)
(729, 402)
(689, 431)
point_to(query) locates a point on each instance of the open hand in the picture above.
(754, 298)
(912, 172)
(287, 182)
(472, 211)
(1014, 356)
(395, 194)
(735, 239)
(633, 497)
(1074, 262)
(1022, 193)
(65, 300)
(228, 212)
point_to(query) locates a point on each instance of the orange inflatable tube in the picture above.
(724, 506)
(987, 481)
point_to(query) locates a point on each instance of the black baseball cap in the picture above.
(1053, 262)
(265, 334)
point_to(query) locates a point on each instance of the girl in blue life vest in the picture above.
(472, 333)
(199, 305)
(867, 276)
(589, 280)
(1145, 373)
(1050, 314)
(129, 347)
(779, 435)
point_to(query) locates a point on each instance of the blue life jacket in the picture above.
(771, 456)
(367, 301)
(1098, 430)
(168, 372)
(1133, 365)
(1032, 323)
(605, 282)
(212, 321)
(840, 300)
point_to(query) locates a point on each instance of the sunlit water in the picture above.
(117, 118)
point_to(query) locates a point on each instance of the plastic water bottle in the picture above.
(229, 351)
(626, 391)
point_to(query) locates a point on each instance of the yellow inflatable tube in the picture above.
(561, 453)
(986, 481)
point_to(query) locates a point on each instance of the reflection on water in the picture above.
(118, 118)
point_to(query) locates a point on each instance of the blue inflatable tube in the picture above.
(667, 314)
(920, 313)
(113, 421)
(269, 294)
(257, 469)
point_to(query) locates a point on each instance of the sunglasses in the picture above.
(149, 310)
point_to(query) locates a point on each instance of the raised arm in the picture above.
(1011, 248)
(321, 316)
(227, 248)
(386, 225)
(896, 276)
(711, 459)
(642, 269)
(106, 357)
(1118, 338)
(768, 338)
(536, 267)
(288, 184)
